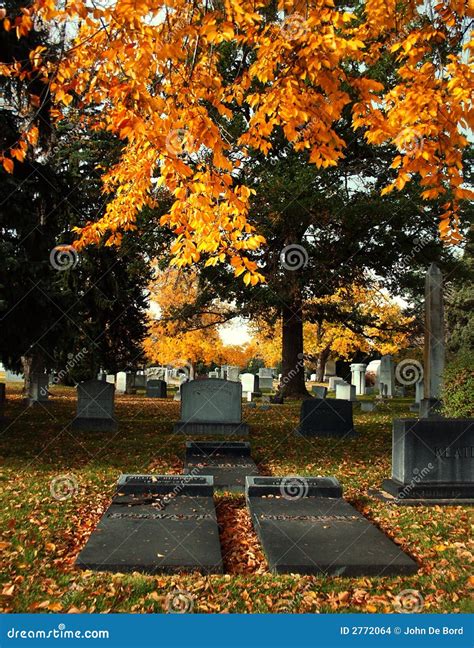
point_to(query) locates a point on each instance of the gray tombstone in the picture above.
(387, 375)
(434, 349)
(213, 374)
(265, 376)
(432, 459)
(156, 389)
(211, 406)
(333, 380)
(367, 406)
(95, 406)
(140, 381)
(326, 417)
(344, 391)
(233, 373)
(38, 388)
(121, 382)
(419, 388)
(319, 392)
(248, 383)
(329, 369)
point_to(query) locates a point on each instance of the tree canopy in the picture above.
(151, 73)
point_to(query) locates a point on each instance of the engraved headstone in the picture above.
(95, 406)
(305, 527)
(432, 459)
(157, 523)
(329, 369)
(328, 417)
(211, 406)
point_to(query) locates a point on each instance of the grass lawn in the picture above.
(42, 536)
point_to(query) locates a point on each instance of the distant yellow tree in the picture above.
(177, 340)
(367, 321)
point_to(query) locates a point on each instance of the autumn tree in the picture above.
(183, 335)
(156, 73)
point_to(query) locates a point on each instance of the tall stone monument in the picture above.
(434, 342)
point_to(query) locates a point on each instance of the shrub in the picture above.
(458, 389)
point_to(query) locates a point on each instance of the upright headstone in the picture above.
(156, 389)
(265, 379)
(329, 369)
(121, 382)
(233, 373)
(214, 374)
(211, 406)
(248, 383)
(328, 417)
(358, 377)
(313, 377)
(387, 375)
(434, 342)
(333, 380)
(38, 388)
(95, 406)
(344, 391)
(223, 372)
(373, 369)
(319, 392)
(433, 460)
(110, 378)
(140, 380)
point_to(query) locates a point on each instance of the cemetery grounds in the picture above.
(43, 532)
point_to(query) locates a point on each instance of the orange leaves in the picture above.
(8, 164)
(159, 79)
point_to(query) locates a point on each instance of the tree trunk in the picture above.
(292, 381)
(33, 363)
(321, 364)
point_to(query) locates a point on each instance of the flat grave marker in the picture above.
(305, 527)
(229, 462)
(157, 523)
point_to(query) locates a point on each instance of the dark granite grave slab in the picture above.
(326, 417)
(212, 428)
(229, 462)
(432, 459)
(156, 524)
(307, 532)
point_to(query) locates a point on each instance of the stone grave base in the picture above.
(93, 424)
(305, 527)
(193, 427)
(157, 524)
(228, 462)
(426, 493)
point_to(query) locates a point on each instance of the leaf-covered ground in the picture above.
(43, 535)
